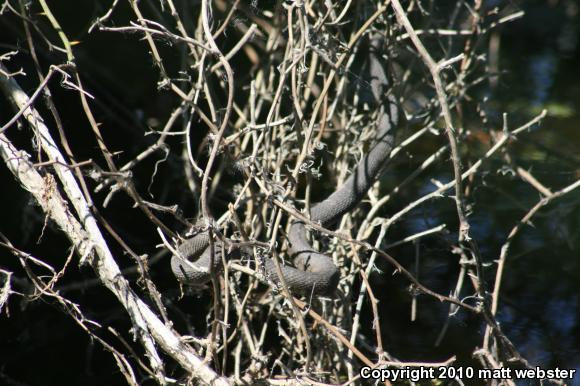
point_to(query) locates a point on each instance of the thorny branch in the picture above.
(272, 95)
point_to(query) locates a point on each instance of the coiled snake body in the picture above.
(315, 273)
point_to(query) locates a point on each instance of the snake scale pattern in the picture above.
(315, 273)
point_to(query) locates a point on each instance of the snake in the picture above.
(314, 273)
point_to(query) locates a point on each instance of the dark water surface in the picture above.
(539, 307)
(540, 295)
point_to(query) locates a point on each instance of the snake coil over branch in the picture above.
(315, 273)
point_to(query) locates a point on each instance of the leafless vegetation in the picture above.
(265, 92)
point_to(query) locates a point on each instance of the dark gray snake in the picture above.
(315, 273)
